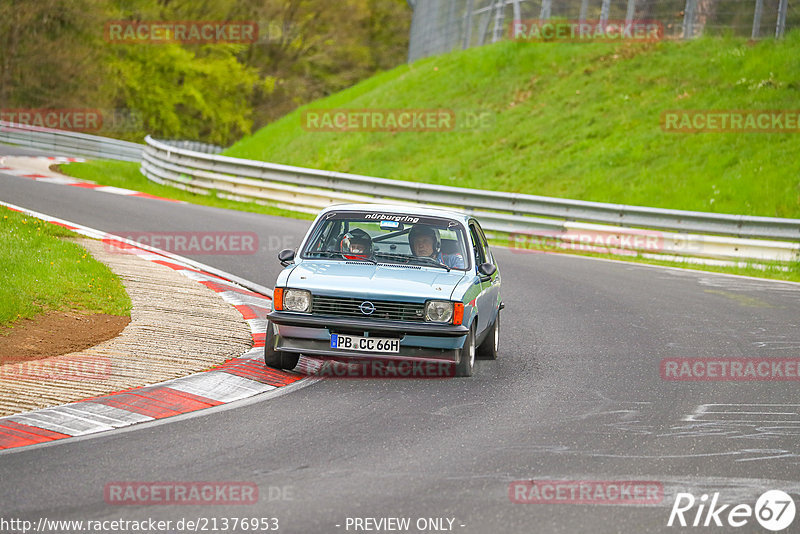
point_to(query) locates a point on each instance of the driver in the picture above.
(425, 241)
(356, 244)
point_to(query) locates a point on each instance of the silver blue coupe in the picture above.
(386, 282)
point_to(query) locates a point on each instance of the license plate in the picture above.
(364, 344)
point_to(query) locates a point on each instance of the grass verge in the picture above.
(42, 272)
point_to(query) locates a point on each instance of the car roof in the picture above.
(405, 209)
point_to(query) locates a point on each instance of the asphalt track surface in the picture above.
(575, 395)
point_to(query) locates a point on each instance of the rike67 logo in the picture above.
(774, 510)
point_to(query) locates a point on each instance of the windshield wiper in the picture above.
(399, 257)
(334, 254)
(325, 253)
(432, 261)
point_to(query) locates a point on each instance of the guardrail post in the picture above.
(757, 19)
(451, 28)
(605, 7)
(499, 15)
(517, 10)
(547, 7)
(484, 27)
(688, 19)
(783, 6)
(630, 11)
(468, 25)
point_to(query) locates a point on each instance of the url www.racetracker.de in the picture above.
(142, 526)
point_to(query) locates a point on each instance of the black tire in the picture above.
(466, 361)
(488, 349)
(275, 358)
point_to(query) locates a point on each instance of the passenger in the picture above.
(425, 241)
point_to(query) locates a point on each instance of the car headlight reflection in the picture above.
(439, 311)
(297, 300)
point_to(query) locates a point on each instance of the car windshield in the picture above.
(378, 237)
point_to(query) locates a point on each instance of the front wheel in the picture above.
(466, 362)
(275, 358)
(488, 349)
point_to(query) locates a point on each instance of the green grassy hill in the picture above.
(579, 121)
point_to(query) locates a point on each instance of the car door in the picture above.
(483, 300)
(493, 291)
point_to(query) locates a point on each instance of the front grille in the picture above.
(384, 309)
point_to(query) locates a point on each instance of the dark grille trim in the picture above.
(401, 266)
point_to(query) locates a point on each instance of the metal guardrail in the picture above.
(194, 146)
(297, 187)
(571, 222)
(69, 143)
(528, 219)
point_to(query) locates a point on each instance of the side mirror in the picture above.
(486, 270)
(286, 256)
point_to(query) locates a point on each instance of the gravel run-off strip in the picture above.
(178, 327)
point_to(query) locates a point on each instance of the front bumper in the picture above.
(311, 335)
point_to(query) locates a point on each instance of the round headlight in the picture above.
(298, 300)
(439, 311)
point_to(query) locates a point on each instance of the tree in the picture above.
(51, 54)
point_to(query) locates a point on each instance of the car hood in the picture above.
(374, 281)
